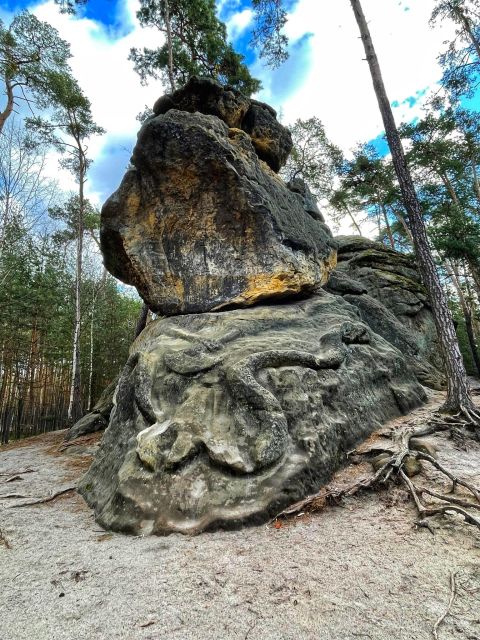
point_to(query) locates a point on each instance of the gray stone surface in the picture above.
(386, 288)
(271, 140)
(225, 418)
(96, 419)
(199, 223)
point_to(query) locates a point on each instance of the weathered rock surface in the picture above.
(96, 419)
(271, 141)
(199, 223)
(224, 418)
(386, 288)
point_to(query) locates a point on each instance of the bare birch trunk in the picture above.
(75, 404)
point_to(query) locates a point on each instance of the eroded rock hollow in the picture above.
(250, 394)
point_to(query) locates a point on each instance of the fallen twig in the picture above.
(44, 500)
(453, 593)
(11, 474)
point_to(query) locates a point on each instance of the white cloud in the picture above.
(107, 78)
(326, 75)
(337, 86)
(238, 23)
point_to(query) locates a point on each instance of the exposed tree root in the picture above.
(403, 448)
(451, 499)
(15, 475)
(84, 440)
(55, 495)
(427, 511)
(469, 416)
(453, 593)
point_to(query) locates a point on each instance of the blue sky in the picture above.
(325, 75)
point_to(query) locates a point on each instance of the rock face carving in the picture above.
(249, 395)
(223, 418)
(199, 223)
(387, 290)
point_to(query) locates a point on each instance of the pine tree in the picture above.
(31, 54)
(459, 398)
(195, 44)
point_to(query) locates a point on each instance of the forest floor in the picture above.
(359, 570)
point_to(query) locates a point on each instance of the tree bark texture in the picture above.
(459, 398)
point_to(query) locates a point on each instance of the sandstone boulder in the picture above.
(96, 419)
(225, 418)
(199, 223)
(386, 287)
(271, 140)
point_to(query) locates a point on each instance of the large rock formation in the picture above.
(223, 418)
(199, 223)
(387, 289)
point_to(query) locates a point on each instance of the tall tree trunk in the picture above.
(467, 313)
(475, 319)
(171, 77)
(476, 183)
(354, 222)
(474, 267)
(90, 364)
(459, 398)
(75, 404)
(5, 114)
(449, 186)
(387, 225)
(403, 222)
(468, 30)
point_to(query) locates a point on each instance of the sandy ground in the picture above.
(360, 570)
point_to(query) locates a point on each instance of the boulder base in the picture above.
(225, 418)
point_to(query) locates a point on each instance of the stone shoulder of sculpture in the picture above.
(248, 395)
